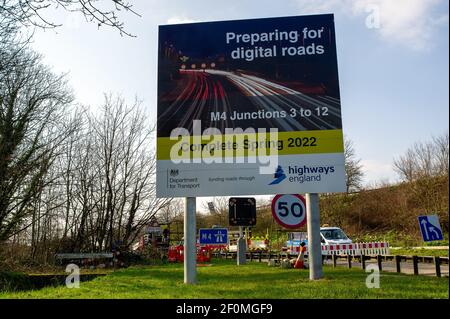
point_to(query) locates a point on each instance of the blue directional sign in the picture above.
(430, 228)
(213, 236)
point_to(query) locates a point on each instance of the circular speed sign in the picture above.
(289, 210)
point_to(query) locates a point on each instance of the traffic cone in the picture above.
(300, 262)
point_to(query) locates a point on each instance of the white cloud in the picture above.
(409, 22)
(375, 171)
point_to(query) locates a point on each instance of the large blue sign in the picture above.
(430, 228)
(213, 236)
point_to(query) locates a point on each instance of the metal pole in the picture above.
(241, 248)
(314, 245)
(190, 241)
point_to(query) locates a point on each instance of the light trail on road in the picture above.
(198, 93)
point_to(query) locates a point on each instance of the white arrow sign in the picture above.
(424, 224)
(431, 229)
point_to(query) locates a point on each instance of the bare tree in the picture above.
(116, 192)
(32, 103)
(32, 12)
(441, 150)
(171, 212)
(424, 159)
(353, 167)
(219, 213)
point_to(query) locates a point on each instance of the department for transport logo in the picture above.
(279, 176)
(174, 172)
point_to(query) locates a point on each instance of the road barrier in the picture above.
(398, 259)
(355, 249)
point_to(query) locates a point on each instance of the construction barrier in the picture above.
(354, 249)
(204, 253)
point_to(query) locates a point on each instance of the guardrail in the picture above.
(416, 260)
(436, 260)
(83, 255)
(89, 257)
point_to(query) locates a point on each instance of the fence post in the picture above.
(363, 262)
(415, 264)
(437, 264)
(349, 261)
(398, 259)
(334, 260)
(380, 262)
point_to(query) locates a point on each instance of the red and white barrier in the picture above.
(355, 249)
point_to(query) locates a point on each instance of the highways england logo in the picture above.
(302, 174)
(279, 176)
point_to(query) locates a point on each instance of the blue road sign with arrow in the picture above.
(430, 228)
(213, 236)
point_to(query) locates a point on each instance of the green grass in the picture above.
(255, 280)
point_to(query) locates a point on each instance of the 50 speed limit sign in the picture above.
(289, 210)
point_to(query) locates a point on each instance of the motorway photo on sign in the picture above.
(249, 107)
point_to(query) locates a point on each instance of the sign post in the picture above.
(314, 245)
(190, 248)
(242, 212)
(241, 248)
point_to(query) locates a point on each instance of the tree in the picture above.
(218, 210)
(32, 12)
(33, 102)
(441, 151)
(424, 170)
(113, 196)
(102, 192)
(424, 160)
(172, 212)
(353, 167)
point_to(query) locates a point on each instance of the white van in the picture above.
(328, 236)
(333, 235)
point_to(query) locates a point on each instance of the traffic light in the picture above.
(242, 211)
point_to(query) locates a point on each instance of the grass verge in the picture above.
(223, 279)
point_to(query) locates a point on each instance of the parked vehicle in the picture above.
(333, 235)
(328, 236)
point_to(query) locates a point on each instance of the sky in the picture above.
(393, 61)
